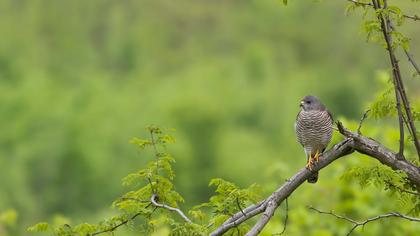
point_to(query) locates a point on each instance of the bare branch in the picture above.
(398, 83)
(239, 206)
(363, 223)
(151, 185)
(412, 61)
(413, 17)
(396, 78)
(374, 149)
(152, 137)
(361, 121)
(333, 214)
(153, 200)
(112, 229)
(410, 56)
(134, 199)
(285, 219)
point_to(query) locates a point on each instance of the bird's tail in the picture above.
(313, 178)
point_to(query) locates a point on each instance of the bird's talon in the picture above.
(316, 157)
(310, 163)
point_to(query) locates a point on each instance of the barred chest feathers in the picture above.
(314, 130)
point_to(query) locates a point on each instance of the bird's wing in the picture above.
(298, 134)
(331, 116)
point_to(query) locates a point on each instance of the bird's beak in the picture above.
(301, 103)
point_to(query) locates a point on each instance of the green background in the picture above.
(79, 79)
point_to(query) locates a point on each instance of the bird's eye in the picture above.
(309, 102)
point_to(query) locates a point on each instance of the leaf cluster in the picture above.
(393, 182)
(156, 179)
(228, 200)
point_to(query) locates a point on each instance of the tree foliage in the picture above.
(156, 181)
(135, 208)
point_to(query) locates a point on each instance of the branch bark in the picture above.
(153, 200)
(353, 142)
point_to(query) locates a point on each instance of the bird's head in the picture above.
(311, 103)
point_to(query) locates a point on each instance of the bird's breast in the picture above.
(314, 129)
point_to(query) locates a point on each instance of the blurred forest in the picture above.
(79, 79)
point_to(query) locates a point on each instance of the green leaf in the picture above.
(40, 227)
(141, 143)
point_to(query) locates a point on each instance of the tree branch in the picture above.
(412, 61)
(269, 205)
(398, 83)
(153, 200)
(110, 230)
(401, 189)
(410, 56)
(361, 121)
(396, 78)
(285, 219)
(374, 149)
(363, 223)
(353, 142)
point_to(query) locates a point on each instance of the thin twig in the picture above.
(400, 94)
(412, 61)
(111, 229)
(151, 185)
(407, 125)
(363, 223)
(413, 17)
(285, 219)
(397, 78)
(134, 199)
(153, 200)
(410, 56)
(401, 189)
(239, 206)
(407, 53)
(333, 214)
(152, 137)
(361, 120)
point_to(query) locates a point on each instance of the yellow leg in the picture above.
(316, 157)
(310, 162)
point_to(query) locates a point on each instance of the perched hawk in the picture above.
(313, 128)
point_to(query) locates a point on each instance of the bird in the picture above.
(313, 127)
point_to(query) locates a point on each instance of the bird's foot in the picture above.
(310, 163)
(316, 156)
